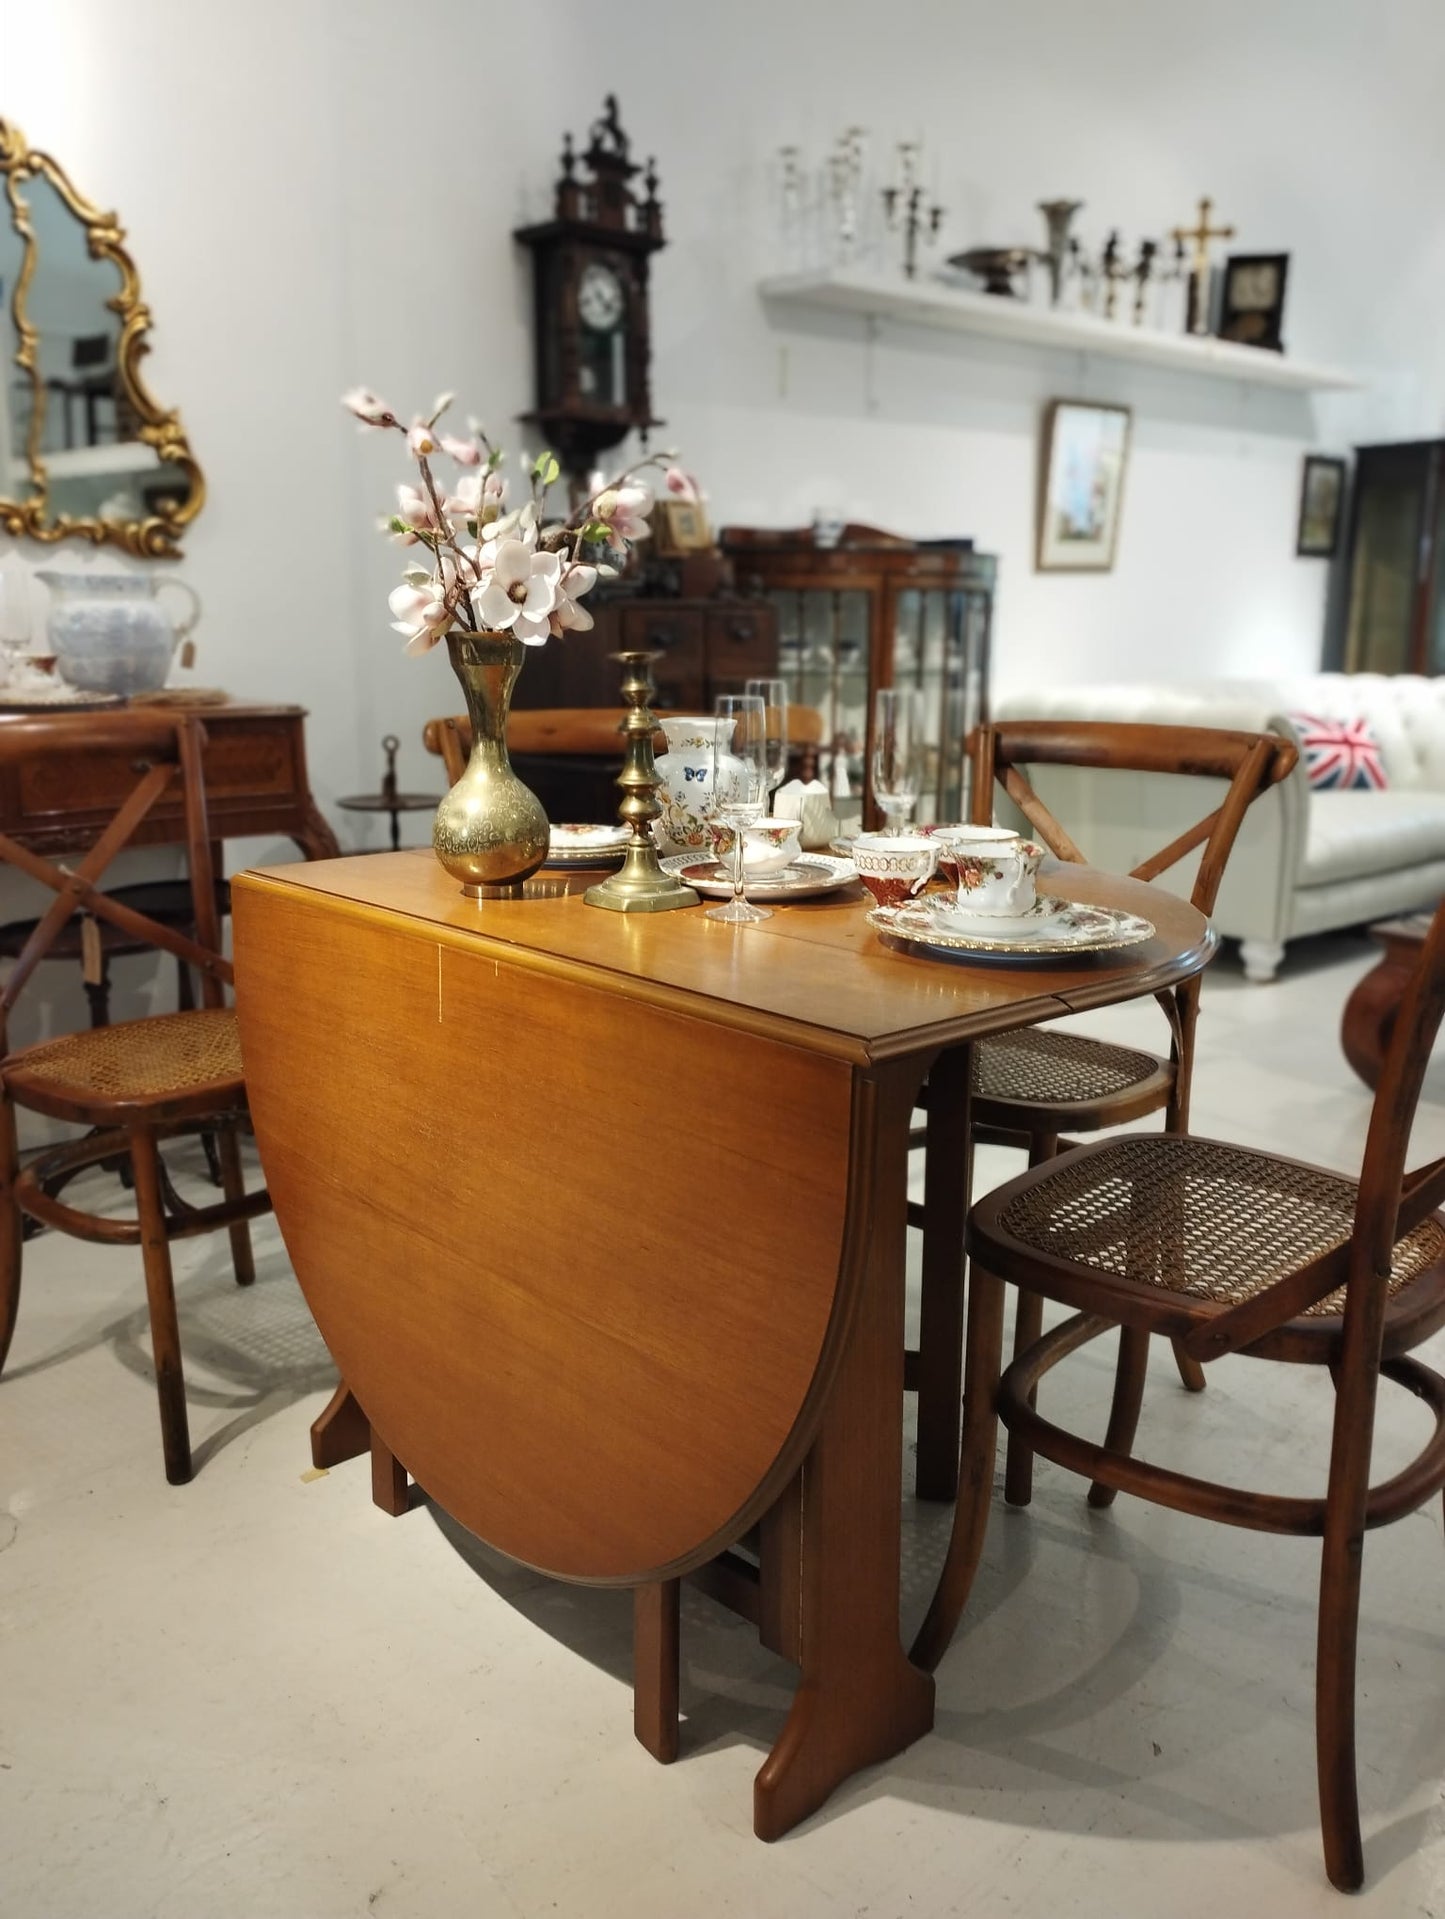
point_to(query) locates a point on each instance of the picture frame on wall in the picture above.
(1085, 454)
(1321, 507)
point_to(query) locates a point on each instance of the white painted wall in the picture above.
(320, 191)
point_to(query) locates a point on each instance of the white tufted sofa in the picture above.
(1305, 862)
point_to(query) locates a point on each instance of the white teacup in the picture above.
(894, 866)
(770, 845)
(995, 869)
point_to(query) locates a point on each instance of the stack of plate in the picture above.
(1051, 928)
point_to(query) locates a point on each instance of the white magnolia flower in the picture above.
(423, 440)
(567, 615)
(368, 407)
(623, 510)
(521, 593)
(421, 611)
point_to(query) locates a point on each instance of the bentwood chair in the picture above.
(1228, 1250)
(1033, 1087)
(137, 1083)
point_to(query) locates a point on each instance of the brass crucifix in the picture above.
(1199, 237)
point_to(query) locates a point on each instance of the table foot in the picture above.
(390, 1486)
(655, 1654)
(342, 1431)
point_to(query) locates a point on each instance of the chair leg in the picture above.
(976, 1462)
(1191, 1373)
(1129, 1377)
(1356, 1378)
(12, 1235)
(234, 1184)
(98, 994)
(1018, 1475)
(161, 1298)
(1018, 1478)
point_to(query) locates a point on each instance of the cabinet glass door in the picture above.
(823, 656)
(940, 645)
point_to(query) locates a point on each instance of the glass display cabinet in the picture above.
(871, 610)
(1395, 603)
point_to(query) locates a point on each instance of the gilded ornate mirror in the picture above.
(84, 450)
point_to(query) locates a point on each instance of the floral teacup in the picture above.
(996, 869)
(768, 845)
(894, 866)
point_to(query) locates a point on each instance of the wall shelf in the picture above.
(934, 303)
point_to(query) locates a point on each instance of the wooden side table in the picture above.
(1369, 1017)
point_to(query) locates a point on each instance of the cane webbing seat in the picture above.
(1199, 1219)
(169, 1053)
(1042, 1067)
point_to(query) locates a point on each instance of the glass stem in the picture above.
(739, 896)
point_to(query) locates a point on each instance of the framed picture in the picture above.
(1086, 448)
(679, 526)
(1322, 495)
(1252, 306)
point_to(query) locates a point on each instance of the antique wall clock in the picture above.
(593, 340)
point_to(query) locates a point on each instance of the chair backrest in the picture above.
(167, 754)
(572, 729)
(1249, 762)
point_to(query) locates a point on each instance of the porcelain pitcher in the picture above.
(109, 630)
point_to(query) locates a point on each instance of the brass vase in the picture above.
(490, 831)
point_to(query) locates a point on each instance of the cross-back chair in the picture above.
(1229, 1250)
(1035, 1086)
(137, 1083)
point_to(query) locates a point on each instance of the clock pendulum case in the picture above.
(592, 330)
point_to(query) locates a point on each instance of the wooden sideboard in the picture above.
(256, 786)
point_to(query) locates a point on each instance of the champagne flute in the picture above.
(897, 753)
(739, 789)
(774, 696)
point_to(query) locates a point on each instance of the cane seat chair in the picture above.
(1034, 1087)
(136, 1083)
(1230, 1250)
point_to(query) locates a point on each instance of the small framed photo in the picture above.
(679, 526)
(1252, 301)
(1321, 498)
(1085, 451)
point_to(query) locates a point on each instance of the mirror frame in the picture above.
(158, 535)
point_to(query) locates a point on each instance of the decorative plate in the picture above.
(586, 845)
(810, 875)
(55, 698)
(935, 925)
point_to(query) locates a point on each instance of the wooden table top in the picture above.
(815, 974)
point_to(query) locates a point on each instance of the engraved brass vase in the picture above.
(490, 831)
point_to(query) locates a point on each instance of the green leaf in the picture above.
(545, 468)
(494, 459)
(397, 525)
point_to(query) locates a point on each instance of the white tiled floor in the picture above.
(257, 1698)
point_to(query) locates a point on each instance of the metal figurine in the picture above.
(1056, 256)
(1112, 270)
(639, 885)
(1199, 237)
(906, 200)
(1142, 270)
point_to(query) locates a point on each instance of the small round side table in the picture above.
(388, 800)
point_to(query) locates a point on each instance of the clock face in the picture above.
(601, 301)
(1255, 288)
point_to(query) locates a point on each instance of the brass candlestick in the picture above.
(639, 885)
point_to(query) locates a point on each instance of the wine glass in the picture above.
(897, 753)
(739, 789)
(774, 696)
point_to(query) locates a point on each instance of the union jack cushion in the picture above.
(1340, 755)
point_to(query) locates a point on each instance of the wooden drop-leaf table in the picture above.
(478, 1173)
